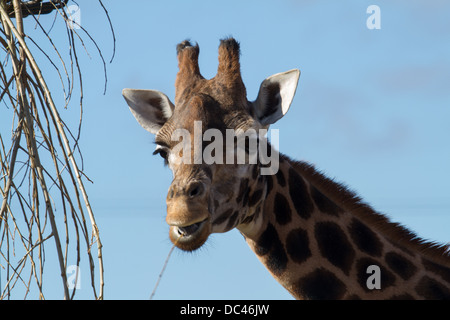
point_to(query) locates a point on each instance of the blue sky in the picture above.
(372, 110)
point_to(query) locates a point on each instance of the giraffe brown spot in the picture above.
(431, 289)
(387, 278)
(223, 217)
(242, 190)
(248, 219)
(282, 209)
(255, 172)
(269, 182)
(334, 245)
(280, 178)
(400, 265)
(252, 217)
(232, 221)
(245, 198)
(297, 245)
(264, 242)
(365, 239)
(260, 180)
(269, 244)
(324, 204)
(255, 197)
(442, 271)
(321, 284)
(258, 211)
(299, 195)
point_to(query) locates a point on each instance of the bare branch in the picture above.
(40, 171)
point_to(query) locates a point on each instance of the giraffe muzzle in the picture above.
(187, 214)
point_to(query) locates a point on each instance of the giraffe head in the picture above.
(210, 196)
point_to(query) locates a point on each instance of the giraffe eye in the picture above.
(163, 153)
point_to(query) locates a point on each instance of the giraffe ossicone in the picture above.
(316, 238)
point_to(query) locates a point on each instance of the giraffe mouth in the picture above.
(189, 230)
(190, 237)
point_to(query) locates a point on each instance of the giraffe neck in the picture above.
(321, 242)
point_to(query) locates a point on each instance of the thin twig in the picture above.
(164, 267)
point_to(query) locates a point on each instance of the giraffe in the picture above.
(316, 238)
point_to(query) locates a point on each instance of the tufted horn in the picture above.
(229, 70)
(189, 70)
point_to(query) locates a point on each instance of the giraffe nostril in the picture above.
(195, 190)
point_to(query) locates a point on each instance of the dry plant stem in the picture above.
(5, 193)
(61, 131)
(112, 30)
(163, 269)
(34, 155)
(62, 186)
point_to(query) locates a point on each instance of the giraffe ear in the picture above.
(275, 96)
(151, 108)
